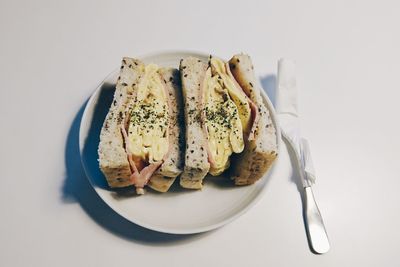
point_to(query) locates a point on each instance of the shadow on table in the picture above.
(77, 188)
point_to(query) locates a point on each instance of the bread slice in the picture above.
(113, 159)
(165, 176)
(259, 153)
(196, 157)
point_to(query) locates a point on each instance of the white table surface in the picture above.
(53, 55)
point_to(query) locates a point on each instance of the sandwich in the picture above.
(213, 111)
(141, 141)
(226, 121)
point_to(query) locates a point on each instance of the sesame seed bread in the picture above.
(165, 176)
(113, 158)
(260, 153)
(196, 157)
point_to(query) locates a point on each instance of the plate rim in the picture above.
(170, 230)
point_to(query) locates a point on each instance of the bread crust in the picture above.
(113, 159)
(196, 158)
(259, 153)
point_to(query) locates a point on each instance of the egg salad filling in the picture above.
(227, 116)
(148, 126)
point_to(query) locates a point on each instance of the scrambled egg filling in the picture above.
(148, 127)
(218, 68)
(227, 116)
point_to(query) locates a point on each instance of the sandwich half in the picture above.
(226, 121)
(219, 117)
(261, 149)
(139, 137)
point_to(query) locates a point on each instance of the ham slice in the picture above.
(140, 179)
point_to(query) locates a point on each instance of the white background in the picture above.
(54, 54)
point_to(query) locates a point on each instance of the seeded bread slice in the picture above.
(165, 176)
(113, 159)
(260, 153)
(196, 159)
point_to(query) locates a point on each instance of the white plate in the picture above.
(178, 211)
